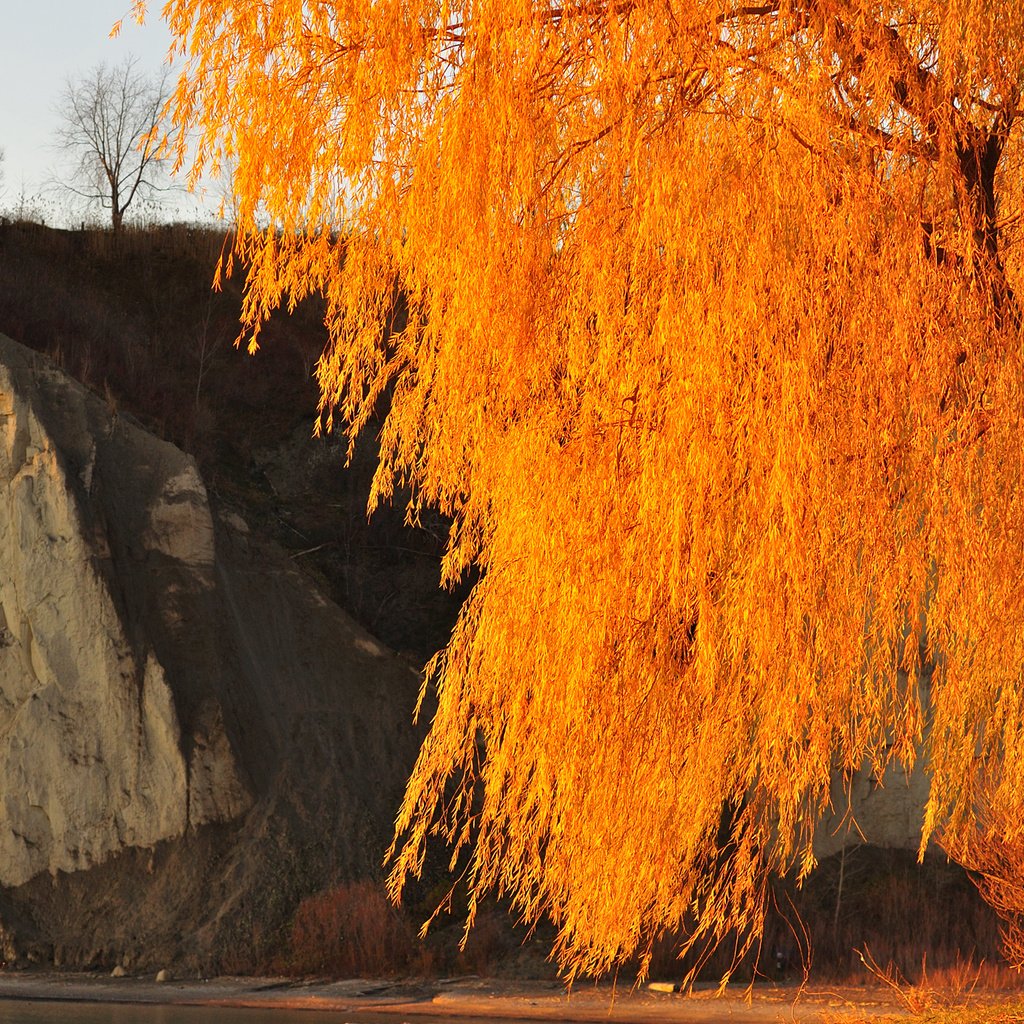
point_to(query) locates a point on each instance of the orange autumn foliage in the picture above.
(713, 357)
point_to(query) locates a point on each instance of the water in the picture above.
(24, 1011)
(17, 1011)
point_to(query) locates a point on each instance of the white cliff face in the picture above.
(164, 670)
(886, 811)
(92, 755)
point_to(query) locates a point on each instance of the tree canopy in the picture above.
(711, 350)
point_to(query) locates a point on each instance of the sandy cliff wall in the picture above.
(91, 748)
(164, 673)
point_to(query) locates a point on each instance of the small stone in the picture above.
(118, 972)
(162, 976)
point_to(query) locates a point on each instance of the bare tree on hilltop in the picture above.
(111, 119)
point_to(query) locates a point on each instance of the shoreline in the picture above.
(463, 998)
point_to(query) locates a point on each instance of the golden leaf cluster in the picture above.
(698, 318)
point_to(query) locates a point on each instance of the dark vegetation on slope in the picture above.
(134, 318)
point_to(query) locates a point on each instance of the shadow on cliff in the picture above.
(214, 739)
(135, 319)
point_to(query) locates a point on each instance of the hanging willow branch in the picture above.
(713, 358)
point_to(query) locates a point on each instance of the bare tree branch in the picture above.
(110, 125)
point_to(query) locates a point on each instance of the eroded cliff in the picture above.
(182, 713)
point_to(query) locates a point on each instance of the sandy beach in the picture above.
(462, 998)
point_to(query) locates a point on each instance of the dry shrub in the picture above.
(351, 930)
(998, 867)
(925, 925)
(953, 987)
(909, 914)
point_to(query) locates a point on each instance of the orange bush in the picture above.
(351, 930)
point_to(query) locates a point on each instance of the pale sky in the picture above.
(42, 43)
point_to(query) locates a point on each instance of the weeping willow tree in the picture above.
(712, 355)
